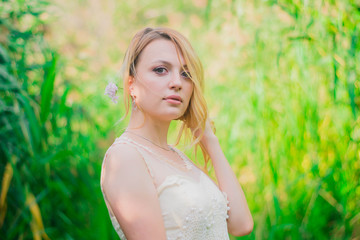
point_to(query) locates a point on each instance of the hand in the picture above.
(209, 132)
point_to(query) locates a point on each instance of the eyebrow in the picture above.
(167, 63)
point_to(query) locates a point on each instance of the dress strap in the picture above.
(124, 140)
(187, 162)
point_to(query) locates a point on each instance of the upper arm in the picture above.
(131, 194)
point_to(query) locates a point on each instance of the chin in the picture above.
(171, 116)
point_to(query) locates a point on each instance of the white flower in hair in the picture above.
(111, 90)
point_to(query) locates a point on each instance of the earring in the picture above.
(134, 106)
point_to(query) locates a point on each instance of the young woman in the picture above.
(151, 189)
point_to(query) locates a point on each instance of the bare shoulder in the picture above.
(121, 156)
(131, 193)
(124, 168)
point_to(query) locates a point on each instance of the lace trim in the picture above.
(227, 203)
(178, 179)
(117, 228)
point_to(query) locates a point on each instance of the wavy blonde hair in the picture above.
(196, 113)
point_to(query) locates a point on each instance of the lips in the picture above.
(174, 97)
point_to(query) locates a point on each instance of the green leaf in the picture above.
(33, 122)
(47, 89)
(4, 58)
(62, 107)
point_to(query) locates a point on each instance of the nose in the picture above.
(175, 82)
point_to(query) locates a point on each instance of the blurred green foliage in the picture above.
(48, 180)
(287, 73)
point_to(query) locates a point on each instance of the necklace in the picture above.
(186, 163)
(166, 149)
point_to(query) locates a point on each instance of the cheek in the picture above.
(148, 88)
(189, 88)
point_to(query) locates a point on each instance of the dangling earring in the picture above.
(134, 106)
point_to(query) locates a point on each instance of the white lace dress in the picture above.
(192, 205)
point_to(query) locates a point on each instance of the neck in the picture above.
(154, 130)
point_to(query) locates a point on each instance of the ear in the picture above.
(131, 83)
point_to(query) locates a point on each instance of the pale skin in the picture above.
(127, 184)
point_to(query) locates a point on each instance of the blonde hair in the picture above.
(196, 114)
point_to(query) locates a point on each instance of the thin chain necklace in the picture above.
(186, 163)
(166, 149)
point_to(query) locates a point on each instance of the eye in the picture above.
(186, 74)
(160, 70)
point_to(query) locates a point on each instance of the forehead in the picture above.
(161, 50)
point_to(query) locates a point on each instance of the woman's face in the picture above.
(161, 87)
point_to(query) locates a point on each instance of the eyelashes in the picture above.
(186, 74)
(162, 71)
(159, 70)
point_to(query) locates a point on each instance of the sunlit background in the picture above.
(282, 85)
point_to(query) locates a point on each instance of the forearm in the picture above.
(240, 221)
